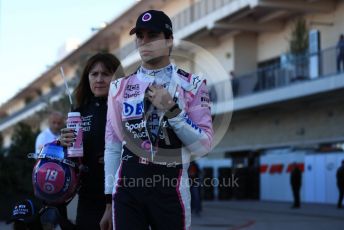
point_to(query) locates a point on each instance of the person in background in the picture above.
(340, 184)
(296, 181)
(50, 134)
(91, 100)
(340, 53)
(235, 83)
(195, 188)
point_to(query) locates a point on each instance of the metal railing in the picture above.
(184, 18)
(196, 12)
(291, 70)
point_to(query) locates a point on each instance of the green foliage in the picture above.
(16, 168)
(299, 38)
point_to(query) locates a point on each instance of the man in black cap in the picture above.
(158, 119)
(296, 182)
(25, 216)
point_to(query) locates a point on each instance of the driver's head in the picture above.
(154, 35)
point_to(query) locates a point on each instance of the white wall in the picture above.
(318, 180)
(224, 52)
(270, 45)
(331, 25)
(277, 186)
(245, 53)
(320, 177)
(214, 61)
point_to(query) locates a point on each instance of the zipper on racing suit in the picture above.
(172, 90)
(154, 146)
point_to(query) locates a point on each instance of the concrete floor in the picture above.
(258, 215)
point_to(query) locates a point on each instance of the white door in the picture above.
(331, 192)
(276, 186)
(320, 177)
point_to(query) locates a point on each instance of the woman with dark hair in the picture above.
(102, 63)
(91, 100)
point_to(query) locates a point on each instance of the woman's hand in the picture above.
(106, 221)
(67, 137)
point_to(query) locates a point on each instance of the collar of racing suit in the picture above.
(165, 71)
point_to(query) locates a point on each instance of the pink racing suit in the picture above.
(132, 154)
